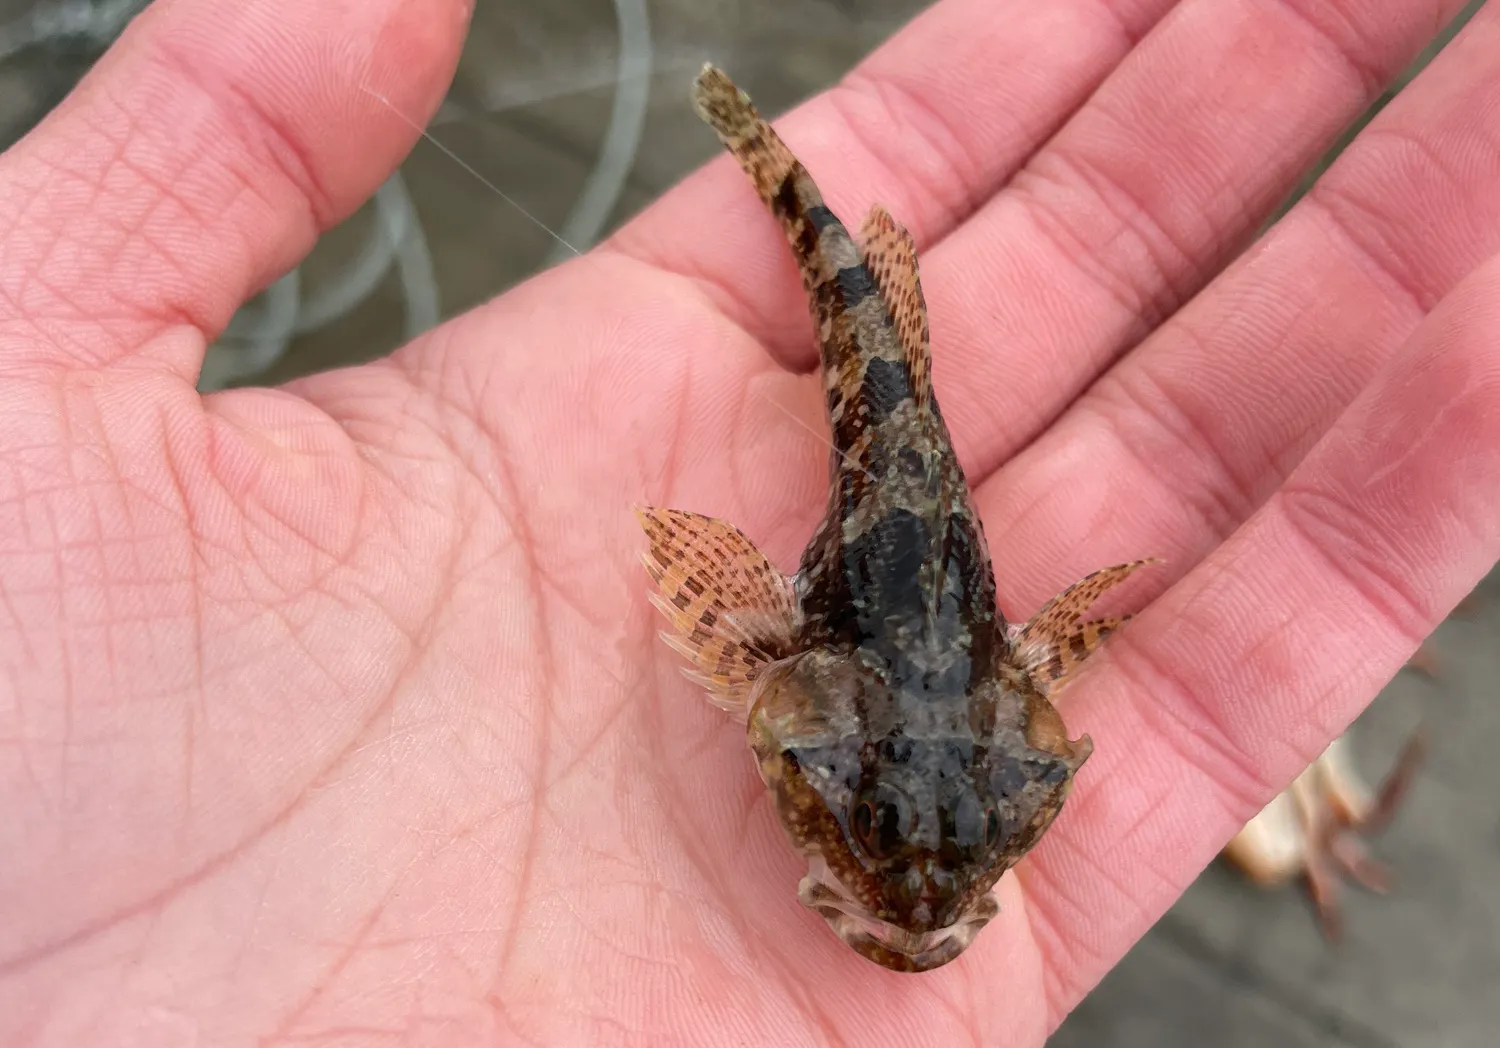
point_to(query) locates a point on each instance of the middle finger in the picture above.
(1186, 436)
(1142, 197)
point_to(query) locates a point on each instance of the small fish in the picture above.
(902, 727)
(1316, 828)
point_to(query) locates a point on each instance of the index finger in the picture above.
(1114, 224)
(899, 130)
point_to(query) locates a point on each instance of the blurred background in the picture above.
(569, 116)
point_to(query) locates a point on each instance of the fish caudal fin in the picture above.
(779, 178)
(732, 612)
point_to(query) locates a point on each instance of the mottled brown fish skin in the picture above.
(902, 727)
(905, 727)
(899, 530)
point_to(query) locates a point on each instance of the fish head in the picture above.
(908, 808)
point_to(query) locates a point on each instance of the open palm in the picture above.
(335, 714)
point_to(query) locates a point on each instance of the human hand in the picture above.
(335, 714)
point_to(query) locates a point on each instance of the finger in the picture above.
(1106, 229)
(198, 161)
(974, 335)
(1179, 443)
(930, 139)
(1239, 676)
(1163, 176)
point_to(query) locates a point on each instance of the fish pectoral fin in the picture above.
(1052, 659)
(731, 612)
(1055, 643)
(891, 257)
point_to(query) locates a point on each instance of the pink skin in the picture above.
(334, 715)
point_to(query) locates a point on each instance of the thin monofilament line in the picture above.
(502, 194)
(551, 233)
(819, 437)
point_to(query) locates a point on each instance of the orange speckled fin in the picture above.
(891, 258)
(761, 153)
(1069, 651)
(732, 612)
(1054, 643)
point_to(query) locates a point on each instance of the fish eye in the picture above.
(991, 827)
(882, 821)
(975, 827)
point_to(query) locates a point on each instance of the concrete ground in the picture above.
(1229, 965)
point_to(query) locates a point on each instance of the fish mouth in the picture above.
(886, 944)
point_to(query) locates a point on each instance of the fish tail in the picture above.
(832, 266)
(779, 178)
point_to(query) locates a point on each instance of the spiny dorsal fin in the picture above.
(891, 258)
(732, 612)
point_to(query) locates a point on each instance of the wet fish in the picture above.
(901, 725)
